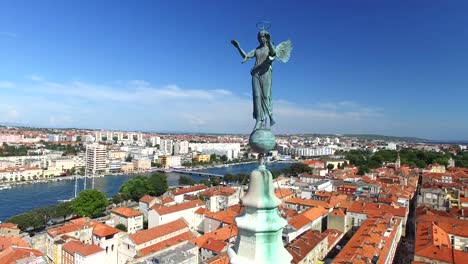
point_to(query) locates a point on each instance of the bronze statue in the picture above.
(261, 73)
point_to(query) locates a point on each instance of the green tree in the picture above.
(117, 199)
(137, 187)
(215, 181)
(91, 203)
(121, 227)
(224, 158)
(185, 180)
(330, 166)
(363, 170)
(129, 158)
(159, 183)
(206, 182)
(63, 210)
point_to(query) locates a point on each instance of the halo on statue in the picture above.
(263, 25)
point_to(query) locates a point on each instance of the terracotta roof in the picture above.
(307, 217)
(224, 234)
(215, 245)
(374, 209)
(13, 254)
(283, 192)
(68, 228)
(450, 225)
(9, 225)
(333, 236)
(126, 212)
(162, 210)
(219, 259)
(73, 247)
(432, 242)
(338, 212)
(143, 236)
(373, 238)
(147, 199)
(189, 189)
(222, 216)
(103, 230)
(218, 191)
(300, 247)
(308, 202)
(166, 243)
(6, 242)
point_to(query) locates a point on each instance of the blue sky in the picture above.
(386, 67)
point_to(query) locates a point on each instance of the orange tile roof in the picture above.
(73, 247)
(459, 256)
(218, 191)
(300, 247)
(166, 243)
(103, 230)
(215, 245)
(126, 212)
(9, 225)
(224, 234)
(450, 225)
(162, 210)
(219, 259)
(67, 228)
(147, 199)
(283, 192)
(189, 189)
(370, 240)
(374, 209)
(223, 216)
(307, 217)
(13, 254)
(432, 242)
(307, 202)
(6, 242)
(338, 212)
(143, 236)
(333, 235)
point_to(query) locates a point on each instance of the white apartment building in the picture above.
(181, 147)
(129, 217)
(306, 152)
(231, 150)
(95, 159)
(159, 215)
(53, 138)
(166, 146)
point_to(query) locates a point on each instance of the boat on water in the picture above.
(4, 187)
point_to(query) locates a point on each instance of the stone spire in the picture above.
(260, 227)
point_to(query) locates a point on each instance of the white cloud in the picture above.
(137, 104)
(6, 84)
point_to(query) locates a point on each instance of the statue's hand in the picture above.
(235, 43)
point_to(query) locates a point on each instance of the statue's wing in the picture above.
(283, 51)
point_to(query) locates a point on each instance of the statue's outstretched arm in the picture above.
(244, 55)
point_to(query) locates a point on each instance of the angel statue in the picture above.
(261, 73)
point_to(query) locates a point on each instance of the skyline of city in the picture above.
(389, 68)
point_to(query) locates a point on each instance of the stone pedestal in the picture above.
(260, 226)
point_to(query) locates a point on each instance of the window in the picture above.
(112, 248)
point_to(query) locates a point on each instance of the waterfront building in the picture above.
(129, 217)
(127, 167)
(230, 150)
(160, 214)
(95, 159)
(202, 158)
(306, 151)
(375, 241)
(142, 164)
(21, 174)
(170, 161)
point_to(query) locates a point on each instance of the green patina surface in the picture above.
(262, 141)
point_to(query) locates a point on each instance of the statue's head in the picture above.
(263, 36)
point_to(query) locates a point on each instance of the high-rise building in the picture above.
(166, 146)
(140, 137)
(98, 135)
(181, 147)
(95, 159)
